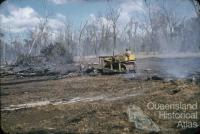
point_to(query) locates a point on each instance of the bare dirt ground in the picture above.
(86, 104)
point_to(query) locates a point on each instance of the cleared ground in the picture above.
(86, 104)
(99, 104)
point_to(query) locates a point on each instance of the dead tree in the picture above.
(103, 34)
(2, 48)
(91, 33)
(42, 25)
(129, 32)
(132, 33)
(81, 32)
(68, 34)
(113, 16)
(196, 4)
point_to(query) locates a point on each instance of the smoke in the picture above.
(170, 67)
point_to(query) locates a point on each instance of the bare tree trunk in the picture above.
(82, 28)
(38, 35)
(114, 38)
(113, 15)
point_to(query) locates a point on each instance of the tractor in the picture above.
(117, 64)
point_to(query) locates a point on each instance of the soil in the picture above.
(86, 104)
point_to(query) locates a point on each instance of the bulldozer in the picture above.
(117, 63)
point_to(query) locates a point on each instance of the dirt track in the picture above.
(98, 104)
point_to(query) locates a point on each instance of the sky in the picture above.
(19, 16)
